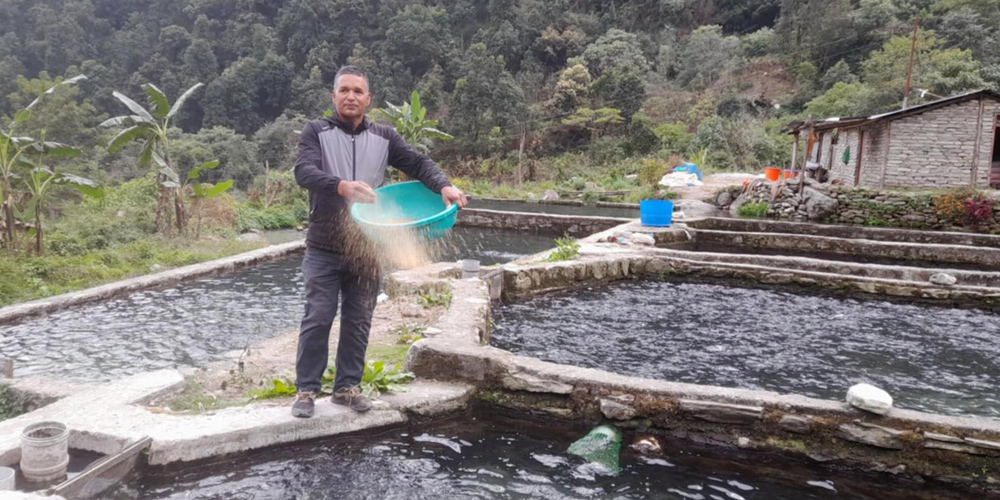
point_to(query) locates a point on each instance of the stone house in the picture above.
(952, 142)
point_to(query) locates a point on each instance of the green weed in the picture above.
(752, 210)
(434, 299)
(566, 249)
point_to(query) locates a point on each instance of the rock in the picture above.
(299, 228)
(615, 410)
(381, 298)
(550, 194)
(881, 437)
(943, 279)
(743, 442)
(590, 186)
(869, 398)
(724, 199)
(740, 200)
(796, 424)
(723, 413)
(818, 205)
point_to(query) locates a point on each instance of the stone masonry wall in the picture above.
(873, 155)
(856, 206)
(840, 171)
(933, 148)
(990, 110)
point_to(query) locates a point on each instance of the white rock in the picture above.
(943, 279)
(869, 398)
(381, 298)
(550, 194)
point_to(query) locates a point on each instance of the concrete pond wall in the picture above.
(913, 444)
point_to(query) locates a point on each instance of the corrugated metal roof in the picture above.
(831, 123)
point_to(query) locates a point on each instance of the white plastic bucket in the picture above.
(44, 452)
(470, 268)
(7, 479)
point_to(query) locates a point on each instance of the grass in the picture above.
(434, 299)
(752, 210)
(29, 277)
(10, 405)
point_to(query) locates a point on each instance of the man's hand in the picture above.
(356, 191)
(451, 194)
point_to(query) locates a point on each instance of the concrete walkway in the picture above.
(106, 418)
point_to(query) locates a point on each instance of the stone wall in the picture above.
(856, 206)
(576, 226)
(935, 148)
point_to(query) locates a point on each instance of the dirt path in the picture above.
(712, 183)
(230, 382)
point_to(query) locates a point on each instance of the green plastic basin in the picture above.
(405, 206)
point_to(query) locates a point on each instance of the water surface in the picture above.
(196, 322)
(499, 458)
(928, 358)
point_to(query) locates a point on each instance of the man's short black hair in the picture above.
(350, 70)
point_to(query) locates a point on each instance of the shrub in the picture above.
(964, 206)
(651, 171)
(566, 249)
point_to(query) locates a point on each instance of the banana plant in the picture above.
(150, 127)
(39, 182)
(201, 191)
(14, 151)
(411, 123)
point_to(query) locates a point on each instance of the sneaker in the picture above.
(305, 403)
(352, 398)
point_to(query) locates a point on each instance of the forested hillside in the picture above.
(685, 75)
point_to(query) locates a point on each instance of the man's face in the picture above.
(351, 97)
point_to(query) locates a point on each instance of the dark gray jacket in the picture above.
(330, 151)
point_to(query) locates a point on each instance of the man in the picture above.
(339, 159)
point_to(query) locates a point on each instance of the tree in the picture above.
(842, 100)
(39, 183)
(707, 55)
(61, 114)
(596, 121)
(14, 153)
(151, 126)
(571, 89)
(942, 71)
(554, 47)
(486, 95)
(621, 89)
(249, 93)
(411, 123)
(618, 50)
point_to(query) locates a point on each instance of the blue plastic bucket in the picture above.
(656, 213)
(405, 206)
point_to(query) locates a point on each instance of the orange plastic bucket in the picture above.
(772, 174)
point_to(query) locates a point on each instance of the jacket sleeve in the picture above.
(403, 157)
(307, 165)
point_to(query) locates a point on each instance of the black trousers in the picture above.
(327, 277)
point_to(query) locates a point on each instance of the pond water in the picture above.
(468, 457)
(931, 359)
(555, 209)
(195, 322)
